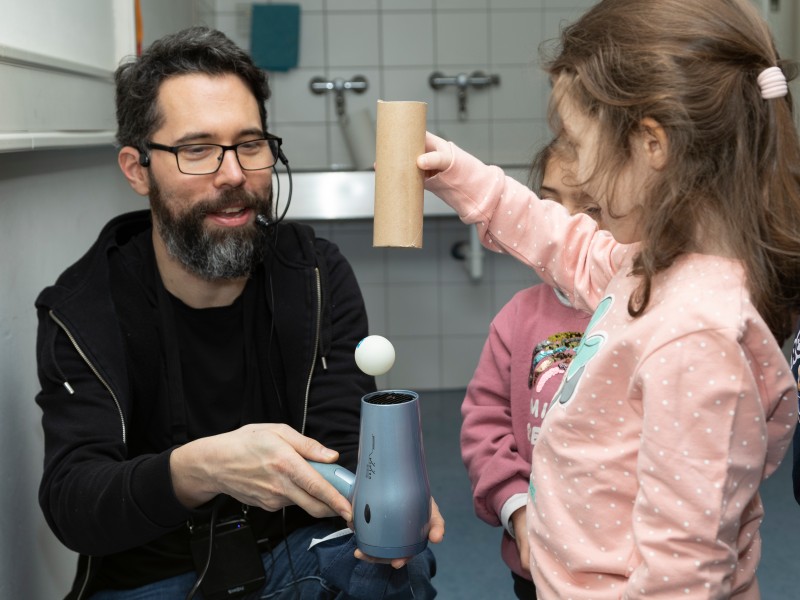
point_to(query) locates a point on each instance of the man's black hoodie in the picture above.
(102, 499)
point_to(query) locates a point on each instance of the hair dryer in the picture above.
(390, 492)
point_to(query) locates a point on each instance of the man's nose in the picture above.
(230, 172)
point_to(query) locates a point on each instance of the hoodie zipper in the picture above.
(316, 348)
(94, 370)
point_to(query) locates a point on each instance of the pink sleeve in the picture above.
(700, 462)
(495, 466)
(567, 252)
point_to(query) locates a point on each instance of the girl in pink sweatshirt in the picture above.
(531, 342)
(679, 401)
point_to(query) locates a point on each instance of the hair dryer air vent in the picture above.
(389, 398)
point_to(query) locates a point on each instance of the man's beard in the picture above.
(212, 253)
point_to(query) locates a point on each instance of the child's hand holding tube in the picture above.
(438, 155)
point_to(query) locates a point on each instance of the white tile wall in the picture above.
(407, 39)
(462, 39)
(423, 300)
(397, 44)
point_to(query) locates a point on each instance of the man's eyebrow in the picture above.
(192, 136)
(204, 136)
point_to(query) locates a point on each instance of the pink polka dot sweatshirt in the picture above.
(645, 478)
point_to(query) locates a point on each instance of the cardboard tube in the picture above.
(399, 192)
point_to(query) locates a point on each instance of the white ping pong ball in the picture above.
(374, 355)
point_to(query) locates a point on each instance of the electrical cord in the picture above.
(285, 161)
(296, 584)
(275, 389)
(280, 403)
(212, 523)
(289, 197)
(215, 510)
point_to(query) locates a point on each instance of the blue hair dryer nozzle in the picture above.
(390, 492)
(342, 479)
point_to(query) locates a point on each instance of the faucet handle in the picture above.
(478, 79)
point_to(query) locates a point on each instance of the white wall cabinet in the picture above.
(56, 71)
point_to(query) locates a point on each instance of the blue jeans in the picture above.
(329, 571)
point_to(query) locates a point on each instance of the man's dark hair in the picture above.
(192, 50)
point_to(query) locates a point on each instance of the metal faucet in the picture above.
(319, 85)
(478, 79)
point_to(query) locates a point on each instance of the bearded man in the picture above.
(198, 355)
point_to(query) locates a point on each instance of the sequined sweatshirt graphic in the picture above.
(530, 344)
(551, 358)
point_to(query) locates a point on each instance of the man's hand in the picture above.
(518, 518)
(261, 465)
(435, 535)
(438, 155)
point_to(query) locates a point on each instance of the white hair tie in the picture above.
(773, 83)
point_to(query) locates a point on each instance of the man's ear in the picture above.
(655, 143)
(136, 173)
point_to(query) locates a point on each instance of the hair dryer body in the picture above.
(390, 491)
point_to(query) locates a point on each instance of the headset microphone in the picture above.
(263, 220)
(282, 157)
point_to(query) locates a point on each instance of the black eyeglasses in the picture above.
(204, 159)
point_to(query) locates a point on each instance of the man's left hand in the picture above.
(435, 535)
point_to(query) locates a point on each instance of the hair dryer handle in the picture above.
(339, 477)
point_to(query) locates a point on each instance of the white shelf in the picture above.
(49, 140)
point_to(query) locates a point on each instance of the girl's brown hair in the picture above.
(733, 157)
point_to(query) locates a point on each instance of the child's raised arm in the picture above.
(566, 252)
